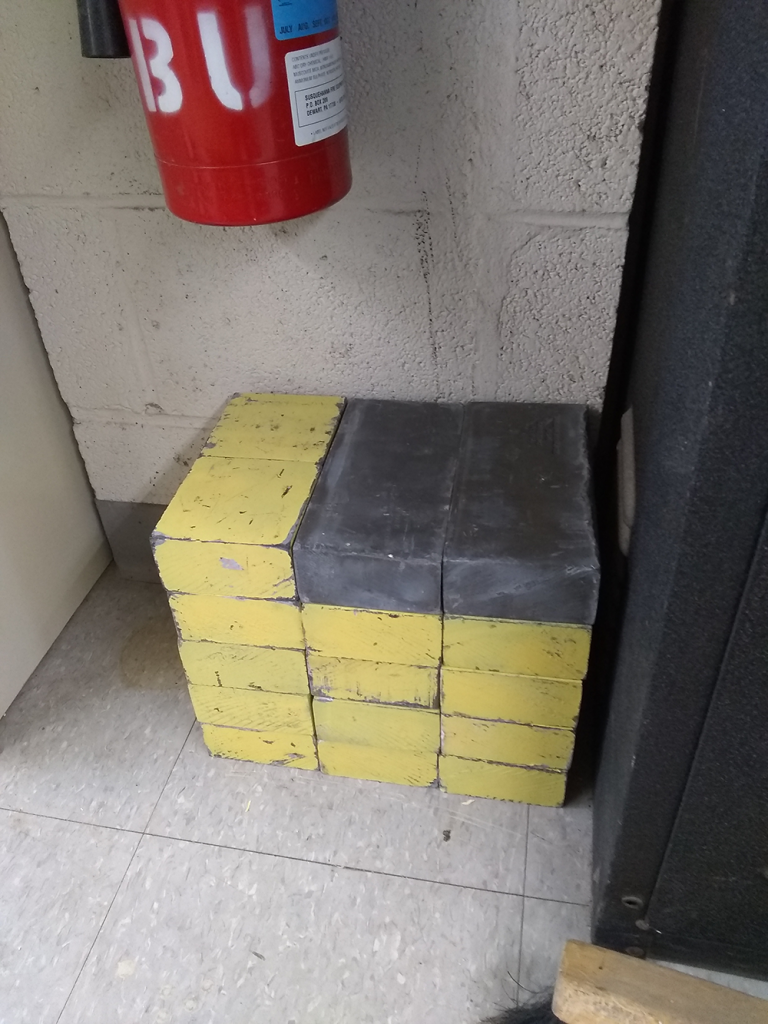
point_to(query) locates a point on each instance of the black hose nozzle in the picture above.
(101, 29)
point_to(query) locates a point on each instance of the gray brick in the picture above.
(374, 532)
(520, 540)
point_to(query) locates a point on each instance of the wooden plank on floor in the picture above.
(599, 986)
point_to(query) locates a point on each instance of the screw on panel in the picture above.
(633, 902)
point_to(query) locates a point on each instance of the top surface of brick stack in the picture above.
(249, 489)
(373, 534)
(479, 511)
(520, 543)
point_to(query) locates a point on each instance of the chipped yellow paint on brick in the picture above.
(502, 782)
(226, 570)
(249, 709)
(292, 428)
(377, 725)
(548, 649)
(385, 683)
(401, 638)
(290, 749)
(244, 668)
(226, 620)
(404, 768)
(506, 742)
(496, 695)
(239, 501)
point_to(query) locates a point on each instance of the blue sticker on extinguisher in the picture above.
(295, 18)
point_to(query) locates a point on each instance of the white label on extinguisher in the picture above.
(316, 85)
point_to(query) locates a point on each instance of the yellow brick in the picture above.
(546, 649)
(247, 709)
(506, 742)
(290, 749)
(225, 570)
(377, 725)
(239, 501)
(385, 683)
(402, 767)
(497, 696)
(502, 782)
(244, 668)
(292, 428)
(401, 638)
(235, 620)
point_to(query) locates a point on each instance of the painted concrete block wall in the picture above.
(479, 255)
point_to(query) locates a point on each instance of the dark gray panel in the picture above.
(721, 832)
(699, 391)
(374, 531)
(128, 526)
(520, 540)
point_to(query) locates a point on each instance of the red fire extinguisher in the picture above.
(245, 104)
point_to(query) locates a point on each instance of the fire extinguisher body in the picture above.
(245, 105)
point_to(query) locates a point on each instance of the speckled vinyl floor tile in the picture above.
(96, 730)
(205, 935)
(559, 860)
(419, 833)
(547, 926)
(58, 879)
(258, 894)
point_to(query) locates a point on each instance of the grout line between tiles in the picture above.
(168, 777)
(87, 956)
(285, 856)
(127, 869)
(72, 821)
(522, 909)
(352, 867)
(330, 864)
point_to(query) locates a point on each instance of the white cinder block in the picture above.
(335, 303)
(141, 460)
(504, 105)
(71, 264)
(340, 303)
(391, 100)
(557, 318)
(580, 92)
(524, 312)
(68, 125)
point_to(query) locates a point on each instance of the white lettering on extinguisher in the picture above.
(141, 65)
(158, 66)
(216, 61)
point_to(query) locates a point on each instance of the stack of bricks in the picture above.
(369, 568)
(520, 583)
(223, 549)
(420, 613)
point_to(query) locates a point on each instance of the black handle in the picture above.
(101, 29)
